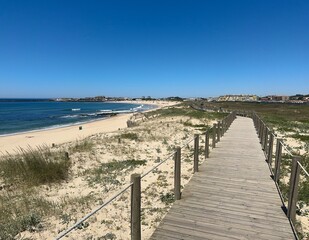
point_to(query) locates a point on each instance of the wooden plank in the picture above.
(202, 229)
(236, 219)
(226, 228)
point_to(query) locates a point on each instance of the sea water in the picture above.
(22, 115)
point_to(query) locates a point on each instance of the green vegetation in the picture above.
(304, 138)
(201, 127)
(284, 116)
(107, 173)
(85, 145)
(20, 211)
(186, 111)
(167, 198)
(34, 166)
(129, 135)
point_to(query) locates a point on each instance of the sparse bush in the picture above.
(167, 198)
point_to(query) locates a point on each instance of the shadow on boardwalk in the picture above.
(231, 197)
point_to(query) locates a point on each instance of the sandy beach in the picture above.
(71, 133)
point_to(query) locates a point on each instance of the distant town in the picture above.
(298, 98)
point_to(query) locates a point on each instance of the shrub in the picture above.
(167, 198)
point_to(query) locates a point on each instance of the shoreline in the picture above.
(81, 122)
(63, 134)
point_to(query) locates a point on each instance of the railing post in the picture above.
(207, 144)
(222, 128)
(177, 174)
(196, 150)
(263, 135)
(257, 123)
(261, 130)
(270, 149)
(278, 160)
(214, 129)
(293, 193)
(218, 131)
(265, 140)
(136, 207)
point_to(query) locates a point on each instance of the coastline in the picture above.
(64, 134)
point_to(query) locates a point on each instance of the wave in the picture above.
(70, 116)
(75, 109)
(106, 110)
(114, 111)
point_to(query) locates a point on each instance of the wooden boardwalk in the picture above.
(231, 197)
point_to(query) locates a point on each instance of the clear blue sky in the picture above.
(62, 48)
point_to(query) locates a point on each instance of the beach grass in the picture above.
(129, 135)
(34, 166)
(22, 210)
(85, 145)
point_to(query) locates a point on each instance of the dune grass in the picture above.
(34, 166)
(22, 210)
(85, 145)
(129, 135)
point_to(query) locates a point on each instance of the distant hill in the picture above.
(299, 97)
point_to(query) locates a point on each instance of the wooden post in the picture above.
(214, 129)
(136, 207)
(256, 122)
(261, 132)
(293, 193)
(218, 131)
(207, 144)
(263, 135)
(196, 150)
(265, 140)
(270, 149)
(278, 160)
(177, 174)
(223, 126)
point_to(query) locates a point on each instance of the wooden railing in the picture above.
(217, 131)
(267, 139)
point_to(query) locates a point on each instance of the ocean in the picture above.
(23, 115)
